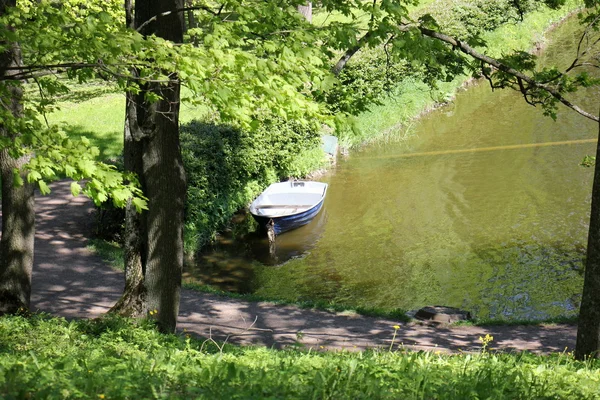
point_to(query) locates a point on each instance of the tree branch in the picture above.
(583, 36)
(465, 48)
(179, 10)
(350, 52)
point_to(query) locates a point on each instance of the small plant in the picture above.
(485, 342)
(396, 328)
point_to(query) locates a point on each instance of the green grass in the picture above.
(518, 322)
(110, 252)
(114, 358)
(97, 111)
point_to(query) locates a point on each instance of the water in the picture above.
(484, 207)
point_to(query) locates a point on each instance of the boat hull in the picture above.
(289, 222)
(284, 206)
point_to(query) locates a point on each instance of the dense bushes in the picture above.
(227, 167)
(468, 18)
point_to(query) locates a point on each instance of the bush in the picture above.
(469, 18)
(227, 167)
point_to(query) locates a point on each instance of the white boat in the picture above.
(288, 205)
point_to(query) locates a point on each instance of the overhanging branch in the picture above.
(337, 68)
(465, 48)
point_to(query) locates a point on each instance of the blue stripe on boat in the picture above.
(280, 203)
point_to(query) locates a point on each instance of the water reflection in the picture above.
(230, 262)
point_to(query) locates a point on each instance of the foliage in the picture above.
(369, 77)
(227, 167)
(391, 120)
(115, 358)
(470, 18)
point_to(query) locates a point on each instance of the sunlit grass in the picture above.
(90, 111)
(116, 358)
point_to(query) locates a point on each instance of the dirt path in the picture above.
(71, 281)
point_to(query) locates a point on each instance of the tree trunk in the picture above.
(154, 239)
(588, 326)
(133, 301)
(165, 188)
(16, 245)
(18, 213)
(306, 11)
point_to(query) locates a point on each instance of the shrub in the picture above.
(468, 18)
(227, 167)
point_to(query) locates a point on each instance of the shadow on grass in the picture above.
(110, 149)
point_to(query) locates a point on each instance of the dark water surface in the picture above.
(484, 207)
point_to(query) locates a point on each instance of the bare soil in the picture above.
(71, 281)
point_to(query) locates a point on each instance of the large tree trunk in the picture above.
(154, 239)
(18, 213)
(133, 301)
(588, 327)
(16, 245)
(165, 187)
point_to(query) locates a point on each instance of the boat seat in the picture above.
(284, 206)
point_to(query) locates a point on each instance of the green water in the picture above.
(484, 207)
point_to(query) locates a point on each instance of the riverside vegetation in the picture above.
(115, 358)
(226, 168)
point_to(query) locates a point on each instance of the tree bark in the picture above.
(154, 239)
(306, 11)
(133, 301)
(588, 326)
(16, 245)
(18, 213)
(165, 188)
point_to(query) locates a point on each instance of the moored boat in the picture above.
(288, 205)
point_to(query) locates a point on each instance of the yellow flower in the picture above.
(396, 327)
(101, 396)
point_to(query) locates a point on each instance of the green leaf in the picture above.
(17, 180)
(75, 189)
(44, 189)
(33, 176)
(139, 204)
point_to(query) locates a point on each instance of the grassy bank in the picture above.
(392, 120)
(47, 358)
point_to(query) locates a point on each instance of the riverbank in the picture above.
(392, 120)
(71, 281)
